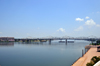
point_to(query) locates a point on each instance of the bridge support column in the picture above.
(92, 41)
(28, 40)
(19, 40)
(49, 41)
(66, 42)
(23, 40)
(41, 41)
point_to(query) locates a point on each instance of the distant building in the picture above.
(9, 39)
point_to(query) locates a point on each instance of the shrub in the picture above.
(99, 58)
(94, 60)
(89, 64)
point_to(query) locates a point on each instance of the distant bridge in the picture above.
(50, 39)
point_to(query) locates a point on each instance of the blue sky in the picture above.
(46, 18)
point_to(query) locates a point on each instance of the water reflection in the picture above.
(39, 43)
(28, 43)
(6, 43)
(40, 54)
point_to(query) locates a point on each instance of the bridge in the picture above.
(55, 38)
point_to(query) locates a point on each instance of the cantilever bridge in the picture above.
(51, 39)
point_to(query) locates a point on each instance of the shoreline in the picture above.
(82, 61)
(80, 57)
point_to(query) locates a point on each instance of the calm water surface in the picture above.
(33, 54)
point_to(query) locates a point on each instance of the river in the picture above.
(41, 54)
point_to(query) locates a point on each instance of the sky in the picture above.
(49, 18)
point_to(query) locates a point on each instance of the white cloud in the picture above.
(79, 29)
(98, 12)
(38, 28)
(86, 17)
(61, 29)
(79, 19)
(98, 25)
(90, 22)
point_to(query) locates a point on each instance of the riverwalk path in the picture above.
(87, 57)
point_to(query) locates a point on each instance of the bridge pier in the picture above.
(28, 40)
(16, 40)
(23, 40)
(92, 40)
(49, 41)
(41, 41)
(66, 42)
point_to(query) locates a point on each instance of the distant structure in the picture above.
(9, 39)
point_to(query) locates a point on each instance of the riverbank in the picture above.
(87, 57)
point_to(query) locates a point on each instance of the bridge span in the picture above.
(51, 39)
